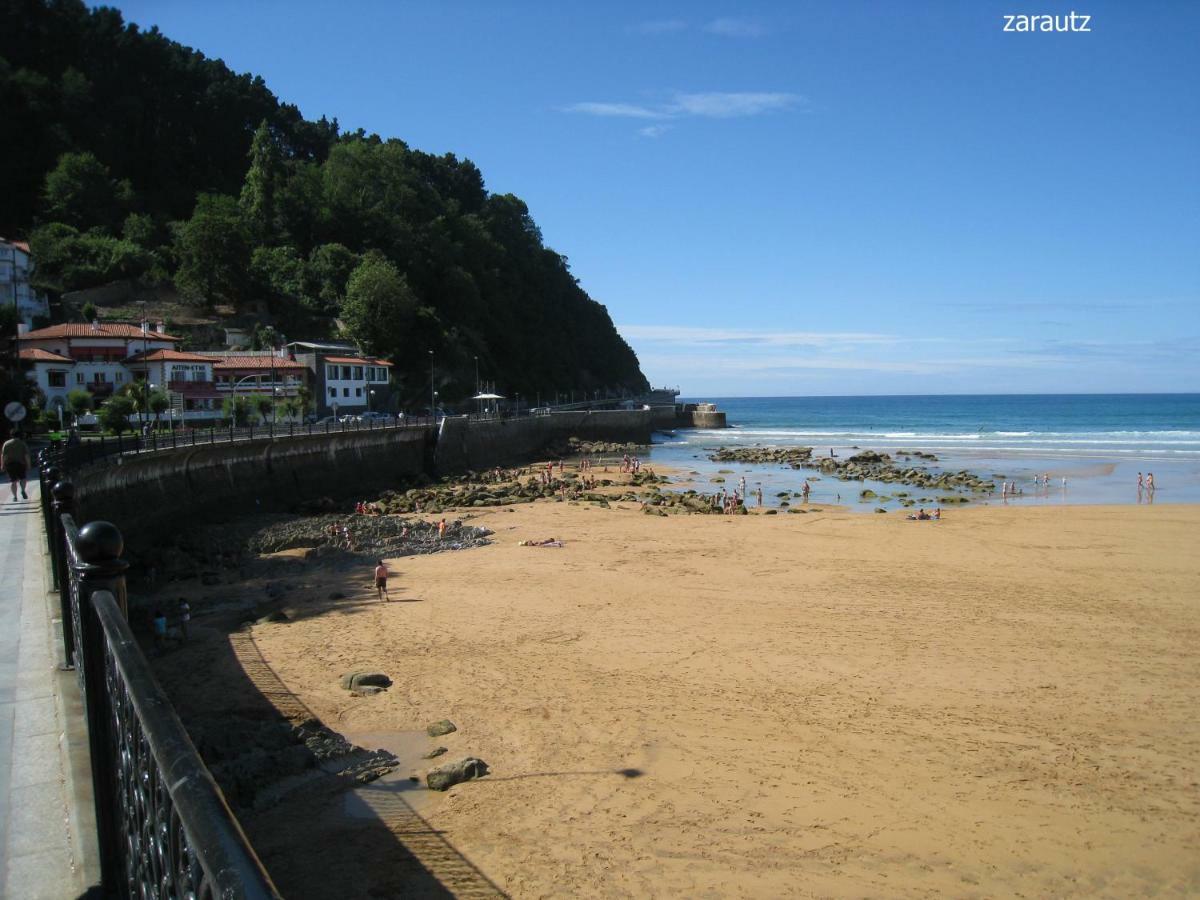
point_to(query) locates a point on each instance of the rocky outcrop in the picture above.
(796, 457)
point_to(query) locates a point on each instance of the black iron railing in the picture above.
(163, 827)
(90, 449)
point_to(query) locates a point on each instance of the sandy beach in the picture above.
(998, 704)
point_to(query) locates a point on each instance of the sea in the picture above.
(1092, 446)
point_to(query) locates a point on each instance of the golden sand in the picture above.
(1003, 703)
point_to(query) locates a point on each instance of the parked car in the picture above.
(375, 416)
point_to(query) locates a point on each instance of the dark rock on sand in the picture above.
(445, 777)
(354, 680)
(437, 729)
(434, 753)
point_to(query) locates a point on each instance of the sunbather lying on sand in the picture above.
(548, 542)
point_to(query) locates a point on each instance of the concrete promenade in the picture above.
(41, 727)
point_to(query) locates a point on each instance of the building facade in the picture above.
(344, 382)
(103, 359)
(16, 269)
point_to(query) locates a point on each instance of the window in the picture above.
(345, 392)
(346, 372)
(333, 392)
(99, 378)
(79, 378)
(358, 373)
(56, 379)
(358, 392)
(331, 373)
(120, 377)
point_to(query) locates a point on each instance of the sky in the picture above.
(803, 198)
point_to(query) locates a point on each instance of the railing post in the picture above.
(49, 475)
(100, 568)
(64, 504)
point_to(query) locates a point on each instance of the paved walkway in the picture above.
(37, 855)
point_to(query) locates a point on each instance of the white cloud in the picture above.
(709, 105)
(685, 335)
(736, 28)
(653, 131)
(728, 105)
(623, 110)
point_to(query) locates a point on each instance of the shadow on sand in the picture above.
(309, 842)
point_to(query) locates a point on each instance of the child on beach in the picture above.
(160, 631)
(381, 577)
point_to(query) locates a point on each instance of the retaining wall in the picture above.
(148, 493)
(155, 493)
(464, 444)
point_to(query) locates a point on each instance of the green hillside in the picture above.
(129, 156)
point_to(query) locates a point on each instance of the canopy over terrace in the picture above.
(488, 402)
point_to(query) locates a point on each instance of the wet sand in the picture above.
(1002, 703)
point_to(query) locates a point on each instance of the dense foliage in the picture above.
(137, 158)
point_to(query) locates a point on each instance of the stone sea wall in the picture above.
(148, 494)
(464, 444)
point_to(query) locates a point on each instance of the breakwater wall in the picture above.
(152, 494)
(463, 444)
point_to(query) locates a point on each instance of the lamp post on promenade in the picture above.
(432, 389)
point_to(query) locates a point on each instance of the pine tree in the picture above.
(261, 185)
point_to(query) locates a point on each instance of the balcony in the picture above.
(189, 387)
(100, 388)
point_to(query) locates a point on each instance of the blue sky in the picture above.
(822, 198)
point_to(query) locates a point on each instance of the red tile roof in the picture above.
(36, 354)
(87, 330)
(168, 356)
(357, 361)
(254, 362)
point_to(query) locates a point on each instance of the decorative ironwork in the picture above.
(159, 859)
(72, 587)
(163, 827)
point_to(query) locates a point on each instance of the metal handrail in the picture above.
(203, 834)
(162, 824)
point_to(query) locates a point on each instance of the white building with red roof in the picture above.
(104, 358)
(91, 356)
(16, 270)
(344, 380)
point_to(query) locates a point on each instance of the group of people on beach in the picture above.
(1041, 482)
(1146, 487)
(923, 515)
(161, 627)
(631, 464)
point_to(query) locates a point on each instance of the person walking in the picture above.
(15, 457)
(185, 616)
(381, 577)
(160, 631)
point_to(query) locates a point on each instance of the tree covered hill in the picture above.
(129, 156)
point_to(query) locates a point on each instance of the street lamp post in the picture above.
(432, 389)
(370, 394)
